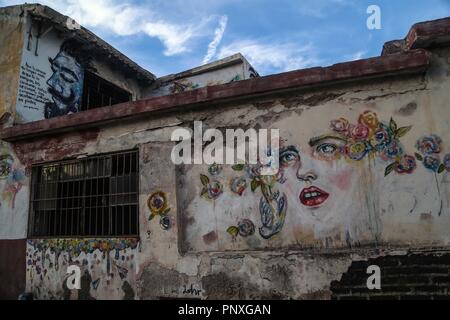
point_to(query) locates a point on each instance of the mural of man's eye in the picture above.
(67, 77)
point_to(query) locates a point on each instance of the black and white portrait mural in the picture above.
(51, 78)
(66, 82)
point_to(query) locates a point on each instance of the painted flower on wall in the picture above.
(392, 151)
(6, 162)
(429, 148)
(211, 189)
(215, 169)
(157, 203)
(245, 228)
(238, 185)
(340, 125)
(406, 164)
(369, 119)
(432, 162)
(382, 137)
(357, 150)
(447, 162)
(429, 144)
(360, 132)
(165, 222)
(369, 137)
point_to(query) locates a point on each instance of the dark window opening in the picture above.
(93, 197)
(98, 92)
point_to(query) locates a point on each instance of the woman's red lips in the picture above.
(313, 196)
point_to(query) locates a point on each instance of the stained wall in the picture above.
(381, 200)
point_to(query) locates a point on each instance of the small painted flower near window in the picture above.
(165, 222)
(157, 203)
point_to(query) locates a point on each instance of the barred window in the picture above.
(98, 92)
(92, 197)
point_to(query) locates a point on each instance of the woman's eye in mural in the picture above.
(326, 149)
(288, 156)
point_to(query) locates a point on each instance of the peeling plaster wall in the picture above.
(11, 43)
(370, 216)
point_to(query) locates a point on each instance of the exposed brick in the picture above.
(411, 276)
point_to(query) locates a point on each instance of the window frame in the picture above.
(85, 101)
(32, 214)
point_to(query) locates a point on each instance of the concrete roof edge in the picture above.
(211, 66)
(421, 35)
(411, 62)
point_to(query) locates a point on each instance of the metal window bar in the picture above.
(93, 197)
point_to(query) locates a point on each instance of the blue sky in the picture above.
(169, 36)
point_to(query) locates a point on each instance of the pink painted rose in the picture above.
(360, 132)
(340, 125)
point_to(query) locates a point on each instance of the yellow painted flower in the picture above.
(369, 119)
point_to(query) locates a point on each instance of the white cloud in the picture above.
(125, 19)
(358, 55)
(218, 34)
(271, 56)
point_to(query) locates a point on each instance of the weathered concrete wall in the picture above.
(366, 214)
(11, 44)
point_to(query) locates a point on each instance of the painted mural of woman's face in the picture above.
(317, 183)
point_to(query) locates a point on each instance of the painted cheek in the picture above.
(342, 179)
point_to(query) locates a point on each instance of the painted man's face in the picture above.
(65, 85)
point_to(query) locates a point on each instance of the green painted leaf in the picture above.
(393, 125)
(204, 179)
(204, 192)
(254, 185)
(234, 231)
(238, 167)
(165, 212)
(441, 168)
(418, 156)
(402, 131)
(390, 168)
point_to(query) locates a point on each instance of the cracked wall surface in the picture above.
(280, 247)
